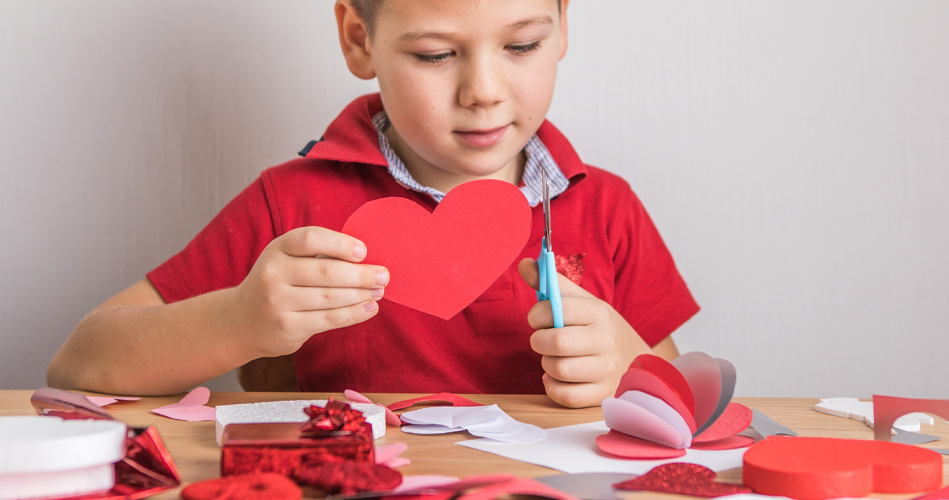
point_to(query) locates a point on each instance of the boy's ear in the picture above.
(354, 40)
(563, 28)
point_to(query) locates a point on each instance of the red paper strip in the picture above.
(682, 479)
(886, 409)
(440, 262)
(441, 397)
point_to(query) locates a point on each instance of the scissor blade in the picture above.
(543, 178)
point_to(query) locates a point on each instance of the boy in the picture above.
(464, 89)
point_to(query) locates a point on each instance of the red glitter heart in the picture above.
(349, 477)
(682, 479)
(266, 486)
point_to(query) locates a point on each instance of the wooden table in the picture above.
(198, 457)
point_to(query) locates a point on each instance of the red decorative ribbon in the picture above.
(335, 419)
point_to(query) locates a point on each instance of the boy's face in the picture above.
(465, 82)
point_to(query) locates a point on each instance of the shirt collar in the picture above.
(353, 138)
(537, 158)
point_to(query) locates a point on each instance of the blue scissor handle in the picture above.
(549, 288)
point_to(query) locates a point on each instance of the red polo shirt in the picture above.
(604, 236)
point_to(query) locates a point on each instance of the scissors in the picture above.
(549, 288)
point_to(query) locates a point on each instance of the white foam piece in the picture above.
(288, 411)
(48, 456)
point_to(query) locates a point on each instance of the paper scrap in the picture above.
(483, 421)
(886, 410)
(191, 408)
(862, 411)
(572, 449)
(107, 400)
(766, 426)
(441, 397)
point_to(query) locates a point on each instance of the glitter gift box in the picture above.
(335, 433)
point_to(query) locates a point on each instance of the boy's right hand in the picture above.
(307, 281)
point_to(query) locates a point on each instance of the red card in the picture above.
(440, 262)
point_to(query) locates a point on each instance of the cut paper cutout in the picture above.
(388, 455)
(568, 449)
(886, 410)
(682, 479)
(441, 397)
(817, 468)
(440, 262)
(391, 418)
(191, 407)
(107, 400)
(483, 421)
(862, 411)
(423, 482)
(649, 407)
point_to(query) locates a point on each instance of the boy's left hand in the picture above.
(583, 361)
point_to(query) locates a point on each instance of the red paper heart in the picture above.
(736, 418)
(817, 468)
(626, 446)
(440, 262)
(265, 486)
(670, 375)
(638, 378)
(682, 479)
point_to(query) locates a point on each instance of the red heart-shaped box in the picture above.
(812, 468)
(440, 262)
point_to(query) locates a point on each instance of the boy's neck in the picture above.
(432, 176)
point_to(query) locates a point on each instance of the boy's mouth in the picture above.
(482, 138)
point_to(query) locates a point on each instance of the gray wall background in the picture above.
(793, 154)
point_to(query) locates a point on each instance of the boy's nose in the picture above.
(482, 84)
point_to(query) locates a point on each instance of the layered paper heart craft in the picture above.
(662, 408)
(440, 262)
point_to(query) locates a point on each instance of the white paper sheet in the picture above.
(572, 449)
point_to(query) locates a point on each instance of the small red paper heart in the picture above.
(440, 262)
(682, 479)
(736, 418)
(626, 446)
(263, 486)
(638, 378)
(813, 468)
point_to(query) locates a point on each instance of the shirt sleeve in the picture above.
(649, 291)
(223, 253)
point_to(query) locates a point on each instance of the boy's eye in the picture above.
(524, 48)
(434, 58)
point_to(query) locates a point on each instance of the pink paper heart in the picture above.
(440, 262)
(191, 407)
(638, 378)
(630, 418)
(388, 455)
(622, 445)
(705, 378)
(391, 418)
(670, 375)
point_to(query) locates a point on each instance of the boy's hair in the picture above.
(368, 9)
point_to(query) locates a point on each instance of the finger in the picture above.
(575, 369)
(333, 273)
(310, 241)
(566, 341)
(572, 395)
(577, 311)
(528, 270)
(315, 322)
(298, 298)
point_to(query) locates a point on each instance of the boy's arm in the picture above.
(136, 344)
(306, 281)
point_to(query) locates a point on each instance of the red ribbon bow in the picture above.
(335, 419)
